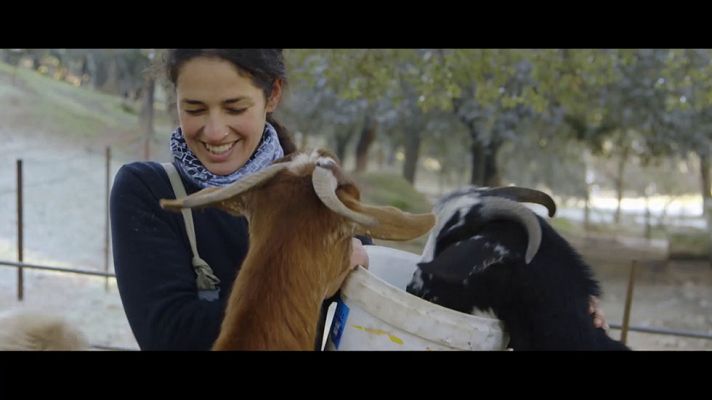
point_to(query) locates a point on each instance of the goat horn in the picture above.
(524, 195)
(325, 184)
(214, 195)
(494, 207)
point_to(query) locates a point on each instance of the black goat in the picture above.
(489, 252)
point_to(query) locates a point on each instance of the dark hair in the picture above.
(263, 66)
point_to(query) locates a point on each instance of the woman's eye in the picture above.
(194, 112)
(236, 110)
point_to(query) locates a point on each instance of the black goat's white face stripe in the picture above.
(444, 211)
(416, 282)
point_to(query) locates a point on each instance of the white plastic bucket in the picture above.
(375, 312)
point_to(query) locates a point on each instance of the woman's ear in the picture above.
(275, 96)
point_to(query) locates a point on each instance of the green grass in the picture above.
(387, 189)
(390, 189)
(41, 102)
(565, 226)
(690, 244)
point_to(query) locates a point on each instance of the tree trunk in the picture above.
(705, 175)
(368, 135)
(341, 142)
(413, 139)
(96, 75)
(491, 176)
(111, 84)
(478, 162)
(587, 209)
(83, 70)
(146, 115)
(648, 224)
(171, 103)
(36, 58)
(620, 183)
(477, 150)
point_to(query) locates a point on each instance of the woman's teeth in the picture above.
(219, 149)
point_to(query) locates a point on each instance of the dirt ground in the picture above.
(668, 294)
(65, 220)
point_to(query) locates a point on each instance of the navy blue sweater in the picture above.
(152, 260)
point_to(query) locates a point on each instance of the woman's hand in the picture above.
(358, 254)
(599, 319)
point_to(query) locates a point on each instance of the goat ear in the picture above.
(232, 205)
(392, 223)
(459, 227)
(216, 196)
(178, 204)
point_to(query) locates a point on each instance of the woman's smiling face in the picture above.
(222, 112)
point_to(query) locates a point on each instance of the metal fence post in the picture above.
(20, 245)
(628, 302)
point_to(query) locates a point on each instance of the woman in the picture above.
(225, 102)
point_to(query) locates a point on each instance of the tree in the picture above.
(362, 75)
(491, 92)
(688, 120)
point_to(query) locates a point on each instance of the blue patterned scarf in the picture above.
(267, 151)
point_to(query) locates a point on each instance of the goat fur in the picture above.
(29, 330)
(544, 304)
(299, 248)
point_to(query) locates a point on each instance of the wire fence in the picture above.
(21, 265)
(62, 172)
(613, 326)
(61, 208)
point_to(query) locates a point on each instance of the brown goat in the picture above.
(302, 213)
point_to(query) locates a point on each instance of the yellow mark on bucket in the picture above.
(394, 339)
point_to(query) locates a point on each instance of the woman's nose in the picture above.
(215, 129)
